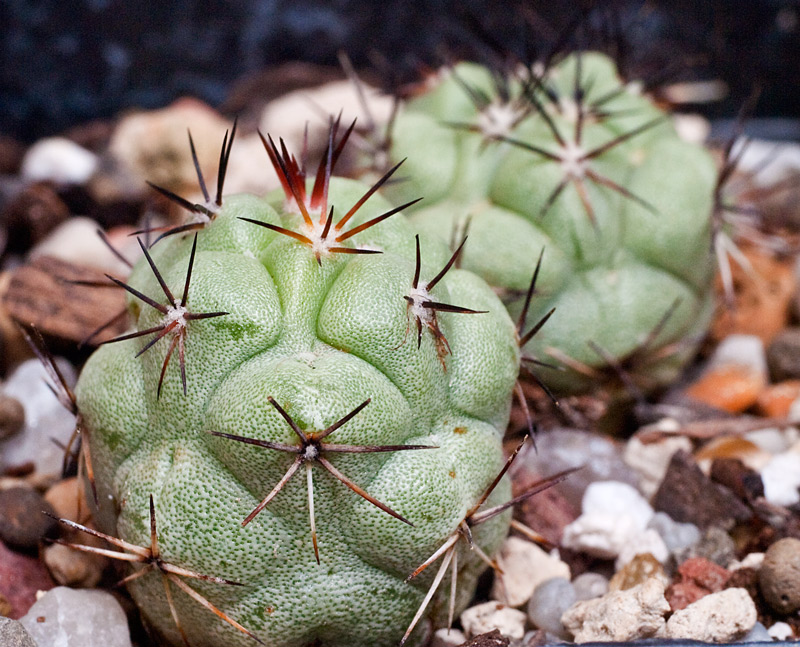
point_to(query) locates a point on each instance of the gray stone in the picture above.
(590, 585)
(22, 519)
(783, 355)
(65, 617)
(13, 634)
(549, 602)
(676, 536)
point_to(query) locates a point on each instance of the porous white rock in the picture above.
(484, 617)
(651, 460)
(634, 613)
(65, 617)
(524, 566)
(59, 160)
(47, 422)
(781, 478)
(717, 617)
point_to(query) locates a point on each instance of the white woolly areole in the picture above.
(418, 296)
(175, 313)
(573, 160)
(498, 119)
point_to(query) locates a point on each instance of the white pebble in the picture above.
(47, 422)
(600, 535)
(741, 350)
(613, 497)
(676, 535)
(772, 439)
(781, 478)
(77, 618)
(493, 615)
(447, 638)
(780, 631)
(751, 560)
(524, 566)
(634, 613)
(717, 617)
(549, 602)
(58, 160)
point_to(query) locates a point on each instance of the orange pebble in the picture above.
(775, 400)
(730, 387)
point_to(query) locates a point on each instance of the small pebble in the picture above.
(650, 460)
(447, 638)
(58, 160)
(731, 388)
(779, 576)
(70, 567)
(524, 566)
(22, 576)
(482, 618)
(619, 615)
(640, 569)
(47, 422)
(13, 634)
(676, 536)
(783, 355)
(715, 545)
(22, 519)
(736, 447)
(776, 400)
(12, 416)
(65, 617)
(781, 478)
(549, 602)
(751, 560)
(718, 617)
(610, 497)
(780, 631)
(590, 585)
(757, 634)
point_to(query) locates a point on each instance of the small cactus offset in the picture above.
(309, 406)
(569, 159)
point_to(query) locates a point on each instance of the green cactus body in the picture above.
(595, 176)
(321, 333)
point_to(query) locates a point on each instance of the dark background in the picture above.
(65, 62)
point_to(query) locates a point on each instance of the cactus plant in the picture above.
(307, 408)
(572, 160)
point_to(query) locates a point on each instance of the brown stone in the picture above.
(640, 569)
(704, 573)
(740, 479)
(779, 575)
(12, 416)
(21, 576)
(23, 522)
(491, 639)
(40, 294)
(32, 214)
(688, 495)
(548, 513)
(681, 594)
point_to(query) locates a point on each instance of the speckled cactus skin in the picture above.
(612, 270)
(320, 338)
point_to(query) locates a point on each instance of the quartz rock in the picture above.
(524, 566)
(779, 631)
(73, 618)
(781, 478)
(46, 421)
(447, 638)
(718, 617)
(58, 160)
(619, 615)
(646, 542)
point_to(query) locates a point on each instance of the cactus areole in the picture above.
(572, 160)
(309, 405)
